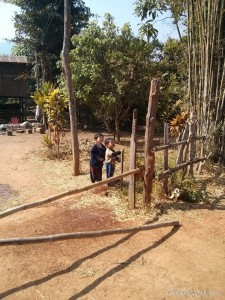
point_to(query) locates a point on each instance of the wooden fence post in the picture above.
(132, 163)
(180, 156)
(121, 167)
(149, 132)
(165, 157)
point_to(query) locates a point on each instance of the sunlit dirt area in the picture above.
(186, 262)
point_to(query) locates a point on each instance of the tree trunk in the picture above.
(69, 85)
(149, 134)
(117, 130)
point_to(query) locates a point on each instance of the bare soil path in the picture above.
(182, 263)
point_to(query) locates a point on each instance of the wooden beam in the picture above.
(79, 235)
(132, 163)
(166, 158)
(68, 193)
(181, 166)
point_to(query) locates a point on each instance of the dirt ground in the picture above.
(167, 263)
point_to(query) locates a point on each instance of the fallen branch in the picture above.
(79, 235)
(68, 193)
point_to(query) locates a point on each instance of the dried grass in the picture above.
(57, 177)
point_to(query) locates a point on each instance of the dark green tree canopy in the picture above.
(112, 69)
(40, 23)
(39, 32)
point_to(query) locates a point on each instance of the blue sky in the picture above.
(121, 10)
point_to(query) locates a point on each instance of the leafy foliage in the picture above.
(111, 69)
(188, 189)
(39, 32)
(53, 104)
(149, 10)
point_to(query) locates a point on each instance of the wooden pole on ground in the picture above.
(68, 193)
(132, 163)
(79, 235)
(149, 134)
(165, 157)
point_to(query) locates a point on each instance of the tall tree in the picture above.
(39, 32)
(69, 85)
(111, 70)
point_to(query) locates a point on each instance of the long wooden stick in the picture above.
(132, 164)
(166, 158)
(79, 235)
(181, 166)
(68, 193)
(160, 148)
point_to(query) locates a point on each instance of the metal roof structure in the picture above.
(13, 59)
(13, 82)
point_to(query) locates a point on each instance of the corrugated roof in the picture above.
(13, 59)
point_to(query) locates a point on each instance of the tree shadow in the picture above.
(216, 178)
(212, 202)
(6, 191)
(125, 264)
(77, 263)
(187, 206)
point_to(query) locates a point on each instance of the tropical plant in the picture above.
(39, 97)
(53, 104)
(54, 108)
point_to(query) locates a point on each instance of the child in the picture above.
(97, 158)
(111, 156)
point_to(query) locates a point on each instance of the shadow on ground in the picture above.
(97, 281)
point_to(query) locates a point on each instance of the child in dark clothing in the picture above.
(97, 158)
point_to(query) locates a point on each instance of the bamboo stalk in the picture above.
(166, 158)
(86, 234)
(64, 194)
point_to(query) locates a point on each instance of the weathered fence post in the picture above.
(149, 132)
(180, 156)
(132, 163)
(165, 157)
(121, 167)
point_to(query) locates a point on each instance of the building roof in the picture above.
(13, 59)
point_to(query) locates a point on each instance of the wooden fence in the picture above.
(186, 145)
(186, 154)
